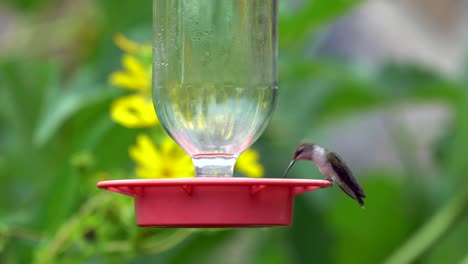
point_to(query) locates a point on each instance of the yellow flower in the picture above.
(136, 110)
(248, 164)
(168, 161)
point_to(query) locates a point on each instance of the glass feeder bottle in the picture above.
(214, 76)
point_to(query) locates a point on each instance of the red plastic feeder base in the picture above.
(213, 202)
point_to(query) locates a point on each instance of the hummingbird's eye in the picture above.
(299, 151)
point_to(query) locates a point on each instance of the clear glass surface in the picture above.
(214, 76)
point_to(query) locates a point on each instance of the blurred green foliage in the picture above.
(57, 141)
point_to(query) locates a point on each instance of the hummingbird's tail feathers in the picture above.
(354, 193)
(360, 201)
(359, 196)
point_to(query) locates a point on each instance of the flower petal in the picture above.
(135, 68)
(126, 44)
(154, 163)
(125, 80)
(145, 153)
(147, 157)
(134, 111)
(178, 163)
(144, 173)
(249, 165)
(135, 77)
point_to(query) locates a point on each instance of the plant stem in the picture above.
(150, 247)
(464, 260)
(20, 233)
(437, 226)
(117, 247)
(167, 243)
(65, 232)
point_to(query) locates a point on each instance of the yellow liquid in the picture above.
(209, 119)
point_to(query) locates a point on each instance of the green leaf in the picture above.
(295, 27)
(316, 94)
(29, 4)
(61, 104)
(452, 248)
(134, 15)
(367, 235)
(200, 248)
(306, 230)
(432, 231)
(23, 85)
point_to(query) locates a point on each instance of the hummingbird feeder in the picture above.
(214, 90)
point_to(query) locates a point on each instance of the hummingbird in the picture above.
(332, 167)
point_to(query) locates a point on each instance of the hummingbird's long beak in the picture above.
(289, 167)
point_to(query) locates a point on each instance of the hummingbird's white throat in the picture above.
(319, 155)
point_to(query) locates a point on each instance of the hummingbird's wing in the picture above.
(346, 176)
